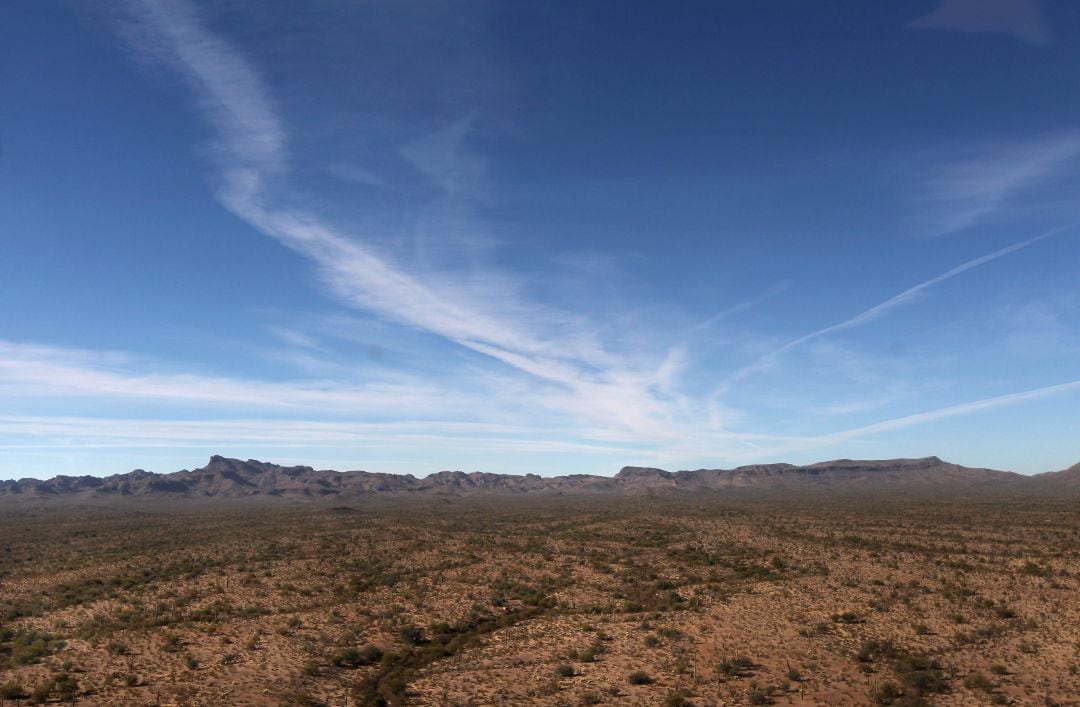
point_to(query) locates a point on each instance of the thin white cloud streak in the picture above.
(967, 192)
(32, 372)
(71, 432)
(879, 310)
(93, 433)
(976, 406)
(850, 407)
(1022, 19)
(1039, 329)
(440, 157)
(39, 371)
(352, 415)
(358, 439)
(252, 149)
(484, 313)
(773, 448)
(296, 338)
(740, 307)
(227, 87)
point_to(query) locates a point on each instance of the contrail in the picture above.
(879, 309)
(954, 411)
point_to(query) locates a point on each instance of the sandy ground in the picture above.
(544, 604)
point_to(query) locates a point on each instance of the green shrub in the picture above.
(63, 684)
(42, 692)
(919, 675)
(30, 646)
(734, 667)
(639, 677)
(885, 694)
(874, 649)
(412, 635)
(848, 617)
(355, 657)
(11, 690)
(676, 698)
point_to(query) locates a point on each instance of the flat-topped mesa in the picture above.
(220, 464)
(836, 476)
(880, 464)
(463, 480)
(642, 472)
(639, 479)
(483, 482)
(754, 470)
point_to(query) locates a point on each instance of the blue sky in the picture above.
(538, 236)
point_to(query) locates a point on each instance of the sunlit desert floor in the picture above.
(554, 602)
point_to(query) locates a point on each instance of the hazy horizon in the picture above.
(288, 462)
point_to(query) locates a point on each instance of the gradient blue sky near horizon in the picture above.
(538, 236)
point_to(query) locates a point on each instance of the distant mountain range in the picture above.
(225, 479)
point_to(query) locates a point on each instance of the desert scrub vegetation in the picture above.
(12, 690)
(23, 646)
(734, 668)
(498, 601)
(918, 675)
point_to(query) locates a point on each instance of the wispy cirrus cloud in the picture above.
(104, 432)
(1021, 19)
(1040, 329)
(781, 447)
(582, 387)
(943, 413)
(484, 311)
(37, 371)
(740, 307)
(28, 370)
(295, 337)
(973, 189)
(193, 411)
(879, 310)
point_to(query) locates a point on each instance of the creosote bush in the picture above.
(355, 657)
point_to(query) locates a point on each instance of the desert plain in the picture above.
(677, 600)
